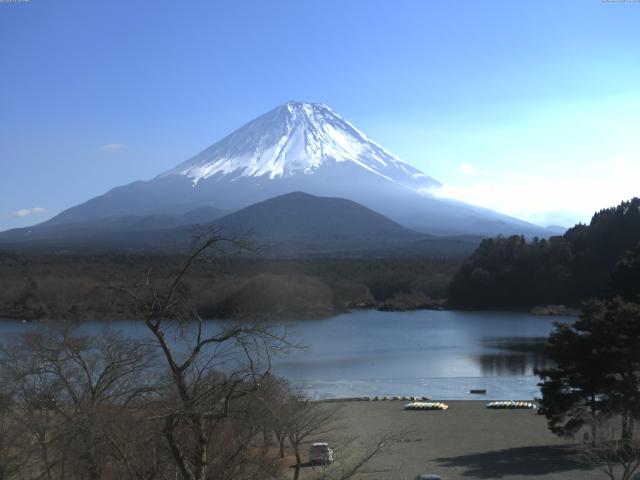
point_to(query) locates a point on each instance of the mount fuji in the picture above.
(296, 147)
(298, 139)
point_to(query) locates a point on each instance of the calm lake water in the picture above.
(441, 354)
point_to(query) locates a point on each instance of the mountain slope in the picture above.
(104, 230)
(298, 147)
(297, 139)
(302, 225)
(299, 215)
(299, 224)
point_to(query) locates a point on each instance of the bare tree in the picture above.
(14, 444)
(614, 454)
(32, 392)
(68, 388)
(306, 420)
(356, 464)
(103, 406)
(211, 367)
(273, 411)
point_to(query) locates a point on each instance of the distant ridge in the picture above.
(103, 229)
(293, 225)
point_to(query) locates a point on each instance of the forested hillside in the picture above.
(595, 260)
(36, 286)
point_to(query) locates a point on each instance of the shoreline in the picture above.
(413, 398)
(320, 315)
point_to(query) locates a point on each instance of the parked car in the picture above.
(428, 476)
(320, 453)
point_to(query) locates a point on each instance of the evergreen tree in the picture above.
(596, 369)
(591, 261)
(625, 279)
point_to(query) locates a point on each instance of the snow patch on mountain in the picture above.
(297, 139)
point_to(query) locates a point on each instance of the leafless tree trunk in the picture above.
(359, 462)
(306, 420)
(211, 370)
(14, 444)
(615, 449)
(102, 406)
(65, 385)
(274, 400)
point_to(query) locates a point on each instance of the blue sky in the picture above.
(530, 108)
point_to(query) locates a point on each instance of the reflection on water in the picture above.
(512, 356)
(439, 353)
(495, 364)
(517, 344)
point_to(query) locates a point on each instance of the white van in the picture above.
(320, 453)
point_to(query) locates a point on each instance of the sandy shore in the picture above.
(467, 441)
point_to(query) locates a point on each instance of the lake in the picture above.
(441, 354)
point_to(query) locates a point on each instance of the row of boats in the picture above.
(506, 404)
(426, 406)
(511, 404)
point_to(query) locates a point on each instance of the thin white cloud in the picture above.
(552, 199)
(467, 169)
(114, 147)
(25, 212)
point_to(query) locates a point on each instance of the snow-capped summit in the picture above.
(296, 147)
(297, 138)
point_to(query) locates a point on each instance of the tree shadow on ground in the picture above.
(537, 460)
(310, 465)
